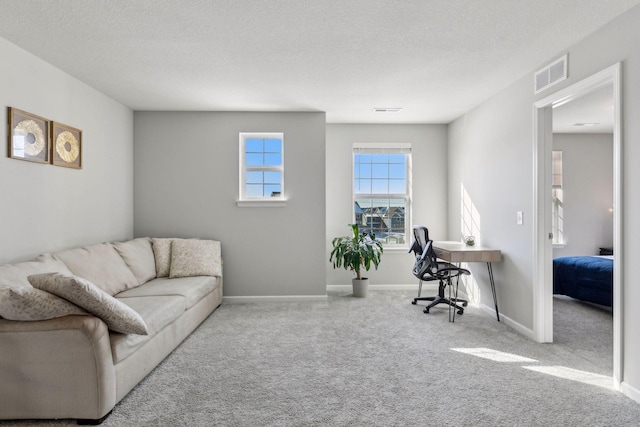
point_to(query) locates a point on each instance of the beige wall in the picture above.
(47, 208)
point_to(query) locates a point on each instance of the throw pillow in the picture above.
(195, 258)
(162, 254)
(117, 315)
(101, 265)
(31, 304)
(138, 255)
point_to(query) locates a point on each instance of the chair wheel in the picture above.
(414, 302)
(460, 311)
(426, 310)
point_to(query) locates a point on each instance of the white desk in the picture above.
(456, 252)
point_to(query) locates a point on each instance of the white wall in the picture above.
(429, 153)
(48, 208)
(587, 182)
(495, 142)
(186, 185)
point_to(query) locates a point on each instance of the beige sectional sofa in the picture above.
(80, 328)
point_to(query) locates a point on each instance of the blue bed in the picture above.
(587, 278)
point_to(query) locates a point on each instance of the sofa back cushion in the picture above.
(15, 275)
(101, 265)
(138, 255)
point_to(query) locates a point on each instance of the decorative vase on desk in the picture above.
(469, 240)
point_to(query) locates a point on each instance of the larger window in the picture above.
(261, 166)
(382, 191)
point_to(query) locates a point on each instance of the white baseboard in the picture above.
(413, 287)
(274, 298)
(510, 322)
(630, 391)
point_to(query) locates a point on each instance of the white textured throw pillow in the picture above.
(117, 315)
(162, 254)
(195, 258)
(31, 304)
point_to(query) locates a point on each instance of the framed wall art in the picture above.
(66, 146)
(28, 136)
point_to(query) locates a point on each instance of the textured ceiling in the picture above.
(434, 58)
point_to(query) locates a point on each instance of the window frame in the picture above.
(557, 203)
(264, 201)
(386, 148)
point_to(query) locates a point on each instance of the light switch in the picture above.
(519, 219)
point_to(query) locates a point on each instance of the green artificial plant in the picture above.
(356, 252)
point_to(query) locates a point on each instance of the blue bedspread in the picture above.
(585, 278)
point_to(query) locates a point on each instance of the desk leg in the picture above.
(493, 289)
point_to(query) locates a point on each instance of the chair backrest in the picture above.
(426, 259)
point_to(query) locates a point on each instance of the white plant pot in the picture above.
(360, 287)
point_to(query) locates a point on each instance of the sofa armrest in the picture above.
(58, 368)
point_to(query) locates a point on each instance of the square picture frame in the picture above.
(66, 146)
(29, 137)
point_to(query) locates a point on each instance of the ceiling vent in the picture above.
(387, 110)
(550, 75)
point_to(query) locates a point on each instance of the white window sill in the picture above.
(395, 249)
(558, 245)
(261, 203)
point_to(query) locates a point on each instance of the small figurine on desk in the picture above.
(469, 240)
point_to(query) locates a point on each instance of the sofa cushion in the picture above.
(118, 316)
(138, 255)
(195, 258)
(101, 265)
(157, 312)
(15, 275)
(28, 303)
(193, 289)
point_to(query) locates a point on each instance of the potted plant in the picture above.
(354, 253)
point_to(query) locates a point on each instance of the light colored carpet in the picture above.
(378, 361)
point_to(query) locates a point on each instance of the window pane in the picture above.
(272, 190)
(379, 186)
(365, 171)
(253, 145)
(254, 159)
(272, 177)
(397, 186)
(362, 186)
(380, 171)
(272, 159)
(363, 158)
(397, 170)
(396, 158)
(254, 190)
(273, 146)
(379, 158)
(254, 177)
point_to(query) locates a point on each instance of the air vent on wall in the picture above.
(551, 74)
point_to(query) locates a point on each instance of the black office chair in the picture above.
(428, 268)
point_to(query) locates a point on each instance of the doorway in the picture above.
(543, 223)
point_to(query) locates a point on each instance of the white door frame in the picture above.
(542, 253)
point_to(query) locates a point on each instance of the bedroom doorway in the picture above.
(543, 223)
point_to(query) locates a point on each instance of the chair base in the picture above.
(441, 300)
